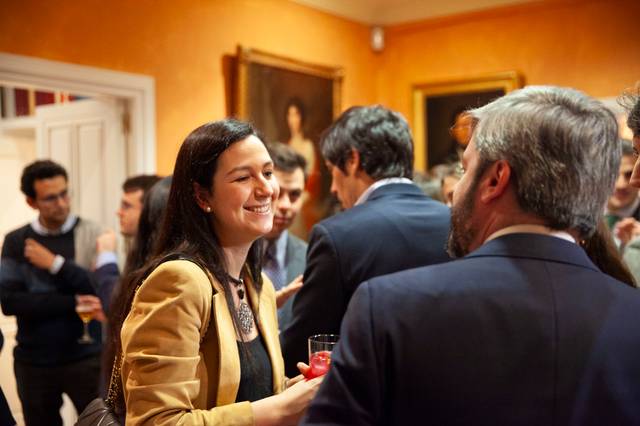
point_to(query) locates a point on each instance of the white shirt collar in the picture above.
(377, 184)
(527, 228)
(66, 226)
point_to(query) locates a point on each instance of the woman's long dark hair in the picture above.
(602, 251)
(186, 229)
(153, 208)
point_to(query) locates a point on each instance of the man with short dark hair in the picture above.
(284, 259)
(623, 207)
(43, 278)
(388, 225)
(629, 230)
(631, 101)
(107, 272)
(133, 191)
(524, 329)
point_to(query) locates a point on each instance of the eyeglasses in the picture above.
(51, 199)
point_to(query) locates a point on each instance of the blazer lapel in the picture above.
(229, 376)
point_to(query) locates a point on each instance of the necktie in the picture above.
(274, 271)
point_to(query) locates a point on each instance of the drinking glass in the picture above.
(85, 312)
(320, 347)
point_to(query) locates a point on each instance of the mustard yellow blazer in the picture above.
(180, 356)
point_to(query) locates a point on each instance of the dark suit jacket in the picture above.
(525, 330)
(397, 228)
(295, 262)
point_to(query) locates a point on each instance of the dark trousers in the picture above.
(40, 388)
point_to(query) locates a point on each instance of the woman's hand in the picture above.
(94, 303)
(288, 407)
(626, 230)
(286, 292)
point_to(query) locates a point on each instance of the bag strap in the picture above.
(115, 385)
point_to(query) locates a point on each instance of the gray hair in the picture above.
(563, 150)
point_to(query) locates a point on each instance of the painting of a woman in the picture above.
(295, 114)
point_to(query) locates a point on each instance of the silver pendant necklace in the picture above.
(245, 316)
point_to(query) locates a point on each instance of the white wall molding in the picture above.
(137, 89)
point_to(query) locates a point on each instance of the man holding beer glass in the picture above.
(44, 282)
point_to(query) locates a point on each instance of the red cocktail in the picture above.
(319, 364)
(320, 347)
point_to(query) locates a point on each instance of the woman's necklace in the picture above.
(245, 316)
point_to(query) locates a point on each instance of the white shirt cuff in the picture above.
(105, 258)
(58, 261)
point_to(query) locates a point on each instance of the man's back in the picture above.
(396, 228)
(525, 330)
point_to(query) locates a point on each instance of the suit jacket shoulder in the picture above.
(397, 228)
(492, 333)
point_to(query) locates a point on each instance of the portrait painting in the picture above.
(442, 128)
(292, 102)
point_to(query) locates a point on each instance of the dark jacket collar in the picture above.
(535, 246)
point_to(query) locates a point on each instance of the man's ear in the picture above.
(353, 163)
(202, 195)
(32, 203)
(495, 181)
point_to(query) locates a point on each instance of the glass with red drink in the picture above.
(320, 347)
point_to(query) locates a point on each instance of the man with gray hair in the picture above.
(524, 329)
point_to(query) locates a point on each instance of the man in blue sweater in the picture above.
(41, 284)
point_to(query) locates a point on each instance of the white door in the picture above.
(88, 138)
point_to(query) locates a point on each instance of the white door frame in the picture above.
(137, 89)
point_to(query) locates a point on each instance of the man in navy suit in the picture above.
(524, 329)
(284, 257)
(389, 224)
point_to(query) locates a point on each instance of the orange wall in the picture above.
(181, 45)
(590, 45)
(587, 44)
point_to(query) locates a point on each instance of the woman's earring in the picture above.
(208, 209)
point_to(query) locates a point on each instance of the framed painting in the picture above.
(438, 111)
(292, 102)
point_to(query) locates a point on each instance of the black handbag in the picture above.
(100, 412)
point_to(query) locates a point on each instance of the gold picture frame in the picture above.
(267, 87)
(247, 56)
(482, 87)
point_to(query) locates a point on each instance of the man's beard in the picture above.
(462, 233)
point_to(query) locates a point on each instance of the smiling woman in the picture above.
(203, 315)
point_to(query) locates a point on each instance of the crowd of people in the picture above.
(499, 289)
